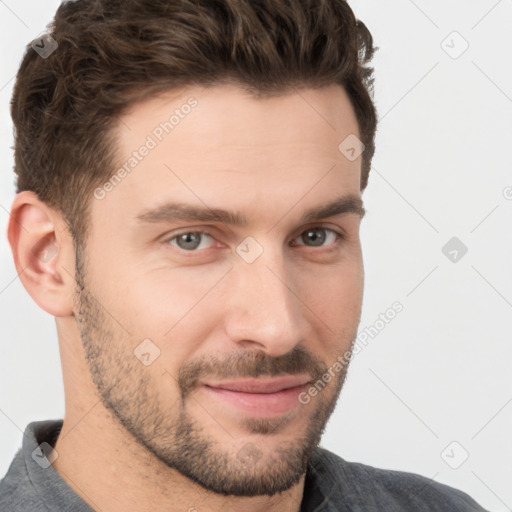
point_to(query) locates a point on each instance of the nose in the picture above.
(264, 307)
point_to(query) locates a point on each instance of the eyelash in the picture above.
(340, 236)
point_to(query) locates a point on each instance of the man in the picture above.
(188, 208)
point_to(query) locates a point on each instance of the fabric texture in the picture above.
(332, 484)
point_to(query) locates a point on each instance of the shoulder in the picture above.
(367, 485)
(16, 492)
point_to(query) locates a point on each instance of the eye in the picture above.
(190, 240)
(317, 236)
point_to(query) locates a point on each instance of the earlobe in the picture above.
(43, 253)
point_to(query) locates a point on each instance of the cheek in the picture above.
(141, 296)
(334, 294)
(174, 308)
(342, 300)
(334, 288)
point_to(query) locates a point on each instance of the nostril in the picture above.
(250, 344)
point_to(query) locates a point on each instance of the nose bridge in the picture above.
(263, 305)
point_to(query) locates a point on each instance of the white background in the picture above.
(440, 371)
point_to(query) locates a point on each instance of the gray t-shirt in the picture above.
(332, 484)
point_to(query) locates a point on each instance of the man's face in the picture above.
(239, 319)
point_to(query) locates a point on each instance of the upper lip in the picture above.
(261, 384)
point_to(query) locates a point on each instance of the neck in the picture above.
(98, 458)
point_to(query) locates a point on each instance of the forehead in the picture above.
(228, 113)
(218, 145)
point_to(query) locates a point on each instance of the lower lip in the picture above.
(259, 404)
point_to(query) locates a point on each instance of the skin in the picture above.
(142, 437)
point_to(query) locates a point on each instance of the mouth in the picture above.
(260, 397)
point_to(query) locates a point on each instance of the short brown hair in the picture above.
(112, 53)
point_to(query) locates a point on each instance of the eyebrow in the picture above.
(170, 212)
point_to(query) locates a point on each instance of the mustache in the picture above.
(249, 364)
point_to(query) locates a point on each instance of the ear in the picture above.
(43, 253)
